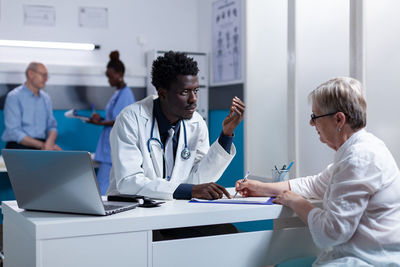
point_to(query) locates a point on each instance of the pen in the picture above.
(287, 170)
(244, 180)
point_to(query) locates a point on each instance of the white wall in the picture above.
(171, 24)
(382, 68)
(327, 53)
(286, 61)
(325, 38)
(266, 86)
(205, 24)
(322, 52)
(287, 57)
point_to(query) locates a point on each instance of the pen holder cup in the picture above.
(280, 175)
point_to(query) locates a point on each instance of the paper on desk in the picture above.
(237, 200)
(73, 114)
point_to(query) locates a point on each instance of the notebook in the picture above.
(57, 181)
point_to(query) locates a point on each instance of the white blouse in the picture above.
(359, 223)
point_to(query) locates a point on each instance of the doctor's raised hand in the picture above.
(234, 117)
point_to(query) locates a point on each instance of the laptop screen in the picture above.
(61, 181)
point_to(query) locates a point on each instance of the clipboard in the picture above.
(72, 113)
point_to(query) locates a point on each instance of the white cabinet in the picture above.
(26, 245)
(202, 63)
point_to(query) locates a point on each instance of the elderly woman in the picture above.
(359, 222)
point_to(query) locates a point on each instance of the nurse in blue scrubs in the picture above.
(122, 97)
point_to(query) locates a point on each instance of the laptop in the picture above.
(57, 181)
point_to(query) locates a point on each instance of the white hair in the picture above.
(342, 94)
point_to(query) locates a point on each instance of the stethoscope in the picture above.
(185, 153)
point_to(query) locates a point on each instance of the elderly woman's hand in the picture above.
(296, 202)
(288, 198)
(249, 188)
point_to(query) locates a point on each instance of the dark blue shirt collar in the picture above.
(163, 123)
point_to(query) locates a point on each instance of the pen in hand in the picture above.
(244, 180)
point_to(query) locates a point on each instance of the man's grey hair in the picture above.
(32, 66)
(342, 94)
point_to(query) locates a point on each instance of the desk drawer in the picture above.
(125, 249)
(242, 249)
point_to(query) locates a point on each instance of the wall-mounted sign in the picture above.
(39, 15)
(93, 17)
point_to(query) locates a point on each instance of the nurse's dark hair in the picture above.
(166, 68)
(115, 63)
(342, 94)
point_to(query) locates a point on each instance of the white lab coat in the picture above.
(359, 223)
(136, 171)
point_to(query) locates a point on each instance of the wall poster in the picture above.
(227, 50)
(93, 17)
(39, 15)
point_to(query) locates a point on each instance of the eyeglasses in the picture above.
(45, 75)
(314, 118)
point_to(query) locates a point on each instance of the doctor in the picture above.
(160, 146)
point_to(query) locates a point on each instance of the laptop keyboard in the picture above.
(111, 207)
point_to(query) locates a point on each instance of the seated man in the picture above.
(28, 113)
(160, 146)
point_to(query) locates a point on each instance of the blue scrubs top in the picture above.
(118, 101)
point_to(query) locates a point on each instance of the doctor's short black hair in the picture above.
(166, 68)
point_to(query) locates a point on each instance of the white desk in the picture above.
(125, 239)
